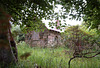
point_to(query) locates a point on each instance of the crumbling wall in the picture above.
(48, 38)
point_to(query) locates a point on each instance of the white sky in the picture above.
(70, 22)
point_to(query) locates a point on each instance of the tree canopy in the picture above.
(84, 43)
(89, 10)
(29, 12)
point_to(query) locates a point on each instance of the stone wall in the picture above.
(48, 38)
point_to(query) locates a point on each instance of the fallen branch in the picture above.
(70, 61)
(81, 56)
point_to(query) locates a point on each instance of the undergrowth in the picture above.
(52, 58)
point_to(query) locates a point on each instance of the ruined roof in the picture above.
(54, 31)
(51, 30)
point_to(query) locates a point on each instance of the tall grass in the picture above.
(52, 58)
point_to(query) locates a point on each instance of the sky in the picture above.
(70, 22)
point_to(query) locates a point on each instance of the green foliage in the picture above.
(15, 30)
(89, 10)
(28, 12)
(17, 33)
(85, 36)
(20, 37)
(93, 32)
(36, 26)
(52, 58)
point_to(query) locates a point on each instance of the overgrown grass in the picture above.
(52, 58)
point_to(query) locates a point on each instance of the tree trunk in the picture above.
(8, 50)
(6, 53)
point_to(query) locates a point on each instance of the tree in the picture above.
(31, 12)
(89, 10)
(83, 42)
(27, 12)
(8, 51)
(17, 33)
(22, 12)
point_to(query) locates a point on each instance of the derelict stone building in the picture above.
(47, 38)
